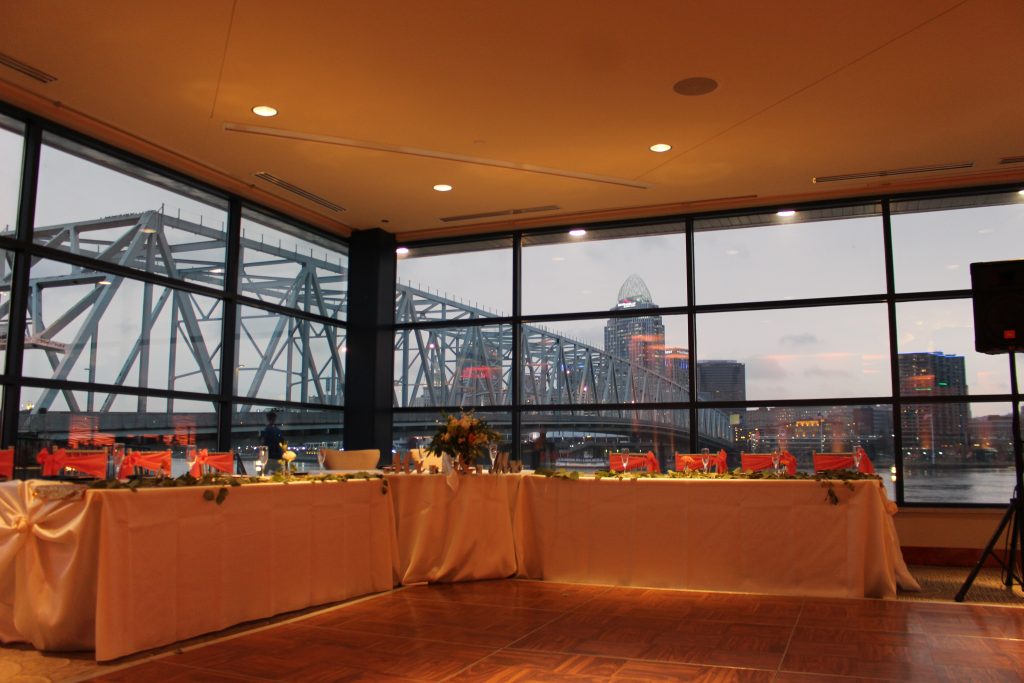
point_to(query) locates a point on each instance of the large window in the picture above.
(11, 144)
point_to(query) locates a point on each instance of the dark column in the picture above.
(369, 361)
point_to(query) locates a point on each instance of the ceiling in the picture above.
(534, 104)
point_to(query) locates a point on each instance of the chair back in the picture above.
(86, 462)
(7, 463)
(145, 462)
(210, 461)
(635, 462)
(823, 462)
(695, 461)
(753, 462)
(365, 459)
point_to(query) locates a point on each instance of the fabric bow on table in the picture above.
(54, 463)
(753, 462)
(842, 461)
(696, 462)
(154, 461)
(223, 462)
(648, 462)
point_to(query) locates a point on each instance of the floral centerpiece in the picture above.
(286, 459)
(464, 438)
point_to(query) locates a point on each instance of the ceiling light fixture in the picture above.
(660, 147)
(443, 188)
(696, 86)
(264, 110)
(402, 251)
(104, 282)
(1020, 192)
(786, 214)
(577, 232)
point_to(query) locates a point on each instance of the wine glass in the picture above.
(320, 457)
(776, 458)
(190, 457)
(705, 458)
(492, 451)
(262, 455)
(118, 457)
(857, 455)
(625, 461)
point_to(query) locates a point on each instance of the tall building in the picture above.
(722, 380)
(934, 432)
(641, 340)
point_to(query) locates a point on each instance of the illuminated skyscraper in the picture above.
(933, 431)
(639, 339)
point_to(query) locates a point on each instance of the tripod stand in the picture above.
(1013, 563)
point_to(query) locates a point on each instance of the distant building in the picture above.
(641, 340)
(722, 380)
(934, 432)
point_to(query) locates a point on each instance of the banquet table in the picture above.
(761, 536)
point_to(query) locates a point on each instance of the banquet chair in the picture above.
(80, 462)
(213, 461)
(365, 459)
(695, 461)
(7, 463)
(636, 462)
(141, 463)
(753, 462)
(823, 462)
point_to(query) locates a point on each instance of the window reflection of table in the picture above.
(773, 537)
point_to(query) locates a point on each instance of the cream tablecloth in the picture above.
(775, 537)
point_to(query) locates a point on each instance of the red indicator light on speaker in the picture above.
(1009, 334)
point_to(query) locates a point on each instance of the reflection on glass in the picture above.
(935, 241)
(834, 351)
(95, 206)
(641, 359)
(89, 326)
(937, 356)
(563, 274)
(139, 423)
(957, 453)
(12, 144)
(471, 280)
(583, 440)
(290, 359)
(289, 266)
(414, 431)
(767, 257)
(306, 431)
(453, 366)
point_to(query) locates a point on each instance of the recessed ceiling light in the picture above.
(577, 232)
(443, 188)
(696, 86)
(264, 110)
(786, 214)
(402, 251)
(1021, 192)
(660, 147)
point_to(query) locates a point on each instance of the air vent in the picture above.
(498, 214)
(22, 67)
(894, 171)
(305, 194)
(1012, 160)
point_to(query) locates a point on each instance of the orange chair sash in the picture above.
(154, 461)
(89, 462)
(637, 461)
(694, 461)
(842, 461)
(753, 462)
(221, 461)
(7, 463)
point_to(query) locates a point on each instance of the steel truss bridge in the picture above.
(87, 325)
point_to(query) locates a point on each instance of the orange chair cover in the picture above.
(694, 461)
(7, 463)
(89, 462)
(842, 461)
(154, 461)
(637, 461)
(223, 461)
(752, 462)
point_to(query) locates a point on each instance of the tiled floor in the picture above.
(531, 631)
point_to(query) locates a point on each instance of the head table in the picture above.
(119, 571)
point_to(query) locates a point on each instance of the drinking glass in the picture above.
(320, 456)
(857, 455)
(118, 457)
(492, 451)
(262, 454)
(625, 461)
(190, 457)
(705, 458)
(776, 458)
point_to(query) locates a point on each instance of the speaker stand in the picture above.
(1013, 564)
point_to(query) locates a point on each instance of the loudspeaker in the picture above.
(998, 291)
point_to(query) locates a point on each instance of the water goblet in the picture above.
(625, 461)
(492, 451)
(320, 456)
(857, 455)
(190, 457)
(776, 458)
(262, 454)
(705, 458)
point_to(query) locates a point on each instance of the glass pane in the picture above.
(284, 358)
(455, 282)
(6, 270)
(804, 431)
(834, 351)
(958, 453)
(616, 360)
(934, 241)
(12, 144)
(563, 274)
(582, 440)
(415, 430)
(453, 366)
(937, 356)
(829, 252)
(87, 419)
(89, 326)
(294, 267)
(93, 205)
(305, 430)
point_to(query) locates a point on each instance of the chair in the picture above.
(753, 462)
(208, 461)
(695, 461)
(74, 462)
(365, 459)
(823, 462)
(635, 461)
(7, 463)
(145, 462)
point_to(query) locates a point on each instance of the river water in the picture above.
(992, 486)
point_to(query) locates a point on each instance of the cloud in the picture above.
(822, 372)
(765, 368)
(805, 339)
